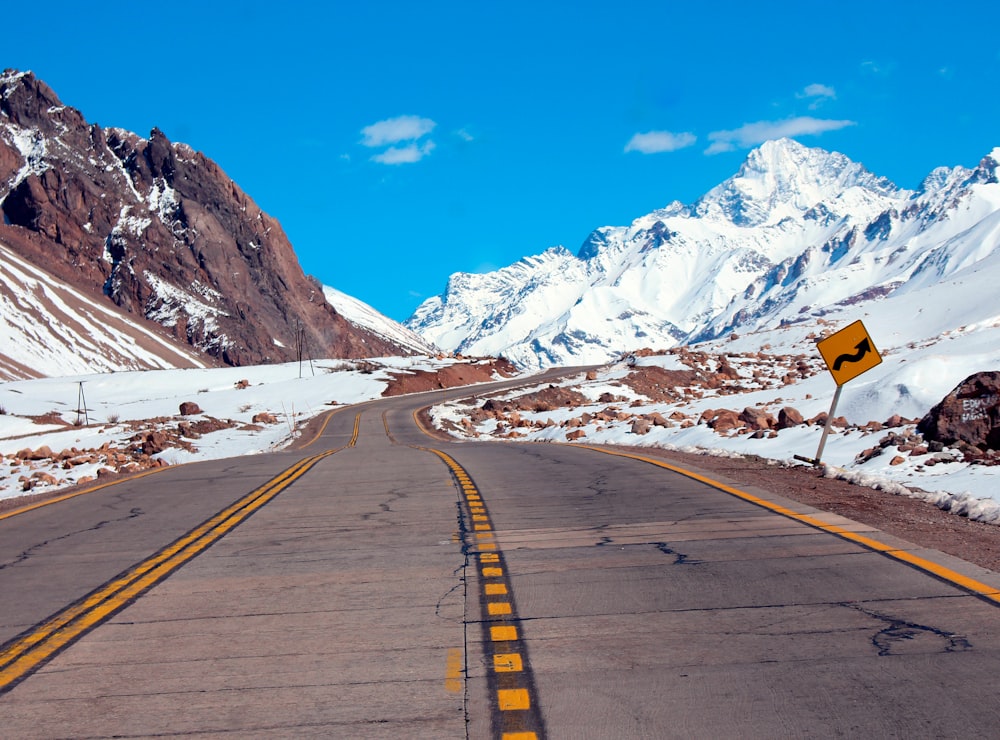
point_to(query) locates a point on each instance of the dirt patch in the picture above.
(659, 384)
(479, 371)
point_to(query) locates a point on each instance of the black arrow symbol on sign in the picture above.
(863, 347)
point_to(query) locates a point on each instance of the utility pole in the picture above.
(81, 406)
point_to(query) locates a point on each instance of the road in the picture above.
(385, 584)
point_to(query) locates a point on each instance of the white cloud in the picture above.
(653, 142)
(751, 134)
(464, 135)
(818, 93)
(405, 154)
(817, 90)
(395, 130)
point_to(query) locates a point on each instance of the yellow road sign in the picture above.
(849, 352)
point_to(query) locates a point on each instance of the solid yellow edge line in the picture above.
(940, 571)
(23, 655)
(91, 489)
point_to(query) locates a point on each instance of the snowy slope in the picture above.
(48, 328)
(361, 314)
(796, 231)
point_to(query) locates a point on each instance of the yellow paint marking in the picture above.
(969, 584)
(357, 430)
(91, 489)
(453, 671)
(482, 528)
(484, 535)
(480, 518)
(486, 546)
(503, 634)
(507, 663)
(496, 608)
(322, 428)
(489, 557)
(513, 700)
(519, 736)
(20, 657)
(492, 572)
(495, 589)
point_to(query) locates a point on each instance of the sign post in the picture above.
(847, 354)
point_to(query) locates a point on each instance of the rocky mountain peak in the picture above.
(782, 179)
(162, 232)
(795, 235)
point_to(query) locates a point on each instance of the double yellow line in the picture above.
(29, 651)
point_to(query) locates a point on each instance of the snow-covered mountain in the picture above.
(49, 328)
(361, 314)
(795, 231)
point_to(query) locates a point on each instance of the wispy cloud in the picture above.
(654, 142)
(395, 130)
(405, 154)
(751, 134)
(879, 69)
(818, 94)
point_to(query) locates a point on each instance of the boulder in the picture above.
(42, 453)
(789, 417)
(641, 426)
(154, 442)
(658, 419)
(757, 419)
(188, 408)
(725, 420)
(970, 413)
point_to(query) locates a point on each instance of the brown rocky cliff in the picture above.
(162, 232)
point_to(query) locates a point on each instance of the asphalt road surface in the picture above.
(385, 584)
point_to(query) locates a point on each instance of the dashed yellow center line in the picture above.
(513, 699)
(503, 634)
(507, 662)
(516, 713)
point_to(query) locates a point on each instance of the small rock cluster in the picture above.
(44, 467)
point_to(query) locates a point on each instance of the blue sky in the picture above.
(399, 142)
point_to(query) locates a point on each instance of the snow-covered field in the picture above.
(115, 400)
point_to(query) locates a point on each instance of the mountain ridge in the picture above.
(796, 229)
(160, 231)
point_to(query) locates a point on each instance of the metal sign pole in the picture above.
(826, 427)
